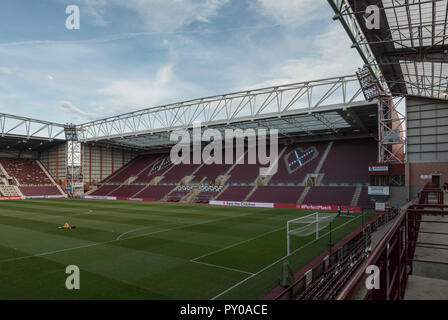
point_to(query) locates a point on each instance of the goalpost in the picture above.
(307, 225)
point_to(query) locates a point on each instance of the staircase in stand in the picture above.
(356, 196)
(49, 176)
(250, 193)
(303, 195)
(10, 191)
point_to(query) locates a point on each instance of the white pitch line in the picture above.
(112, 241)
(142, 228)
(130, 231)
(267, 267)
(237, 244)
(221, 267)
(53, 252)
(79, 214)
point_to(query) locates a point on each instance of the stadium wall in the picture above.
(427, 142)
(54, 160)
(19, 154)
(101, 161)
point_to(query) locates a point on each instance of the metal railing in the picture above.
(324, 267)
(394, 255)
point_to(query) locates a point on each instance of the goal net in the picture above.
(308, 225)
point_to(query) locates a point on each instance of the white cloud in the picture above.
(137, 93)
(5, 70)
(158, 15)
(109, 78)
(50, 77)
(332, 57)
(96, 10)
(73, 111)
(289, 12)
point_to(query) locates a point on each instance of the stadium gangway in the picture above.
(431, 192)
(394, 257)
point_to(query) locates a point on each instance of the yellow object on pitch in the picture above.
(66, 226)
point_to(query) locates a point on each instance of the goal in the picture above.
(307, 225)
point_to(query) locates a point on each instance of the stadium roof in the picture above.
(332, 106)
(28, 129)
(409, 51)
(326, 106)
(22, 143)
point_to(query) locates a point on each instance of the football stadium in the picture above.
(301, 191)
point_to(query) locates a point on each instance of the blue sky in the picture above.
(135, 54)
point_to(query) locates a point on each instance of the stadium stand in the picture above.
(277, 194)
(155, 192)
(104, 190)
(333, 279)
(348, 160)
(209, 172)
(178, 172)
(8, 191)
(297, 161)
(132, 169)
(234, 194)
(342, 174)
(29, 177)
(176, 196)
(26, 171)
(208, 193)
(127, 191)
(157, 168)
(364, 200)
(330, 196)
(244, 173)
(41, 190)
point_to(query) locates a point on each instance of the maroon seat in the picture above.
(348, 161)
(209, 172)
(180, 171)
(155, 192)
(290, 170)
(40, 191)
(244, 172)
(330, 196)
(133, 168)
(234, 194)
(104, 190)
(26, 171)
(157, 168)
(127, 191)
(364, 200)
(277, 194)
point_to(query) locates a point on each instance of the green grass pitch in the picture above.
(131, 250)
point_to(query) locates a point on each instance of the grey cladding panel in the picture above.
(427, 134)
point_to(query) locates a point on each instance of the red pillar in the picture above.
(57, 162)
(101, 164)
(112, 154)
(90, 164)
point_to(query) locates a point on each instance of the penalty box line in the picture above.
(221, 267)
(195, 260)
(277, 261)
(237, 244)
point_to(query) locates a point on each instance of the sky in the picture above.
(135, 54)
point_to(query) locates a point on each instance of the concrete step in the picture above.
(422, 288)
